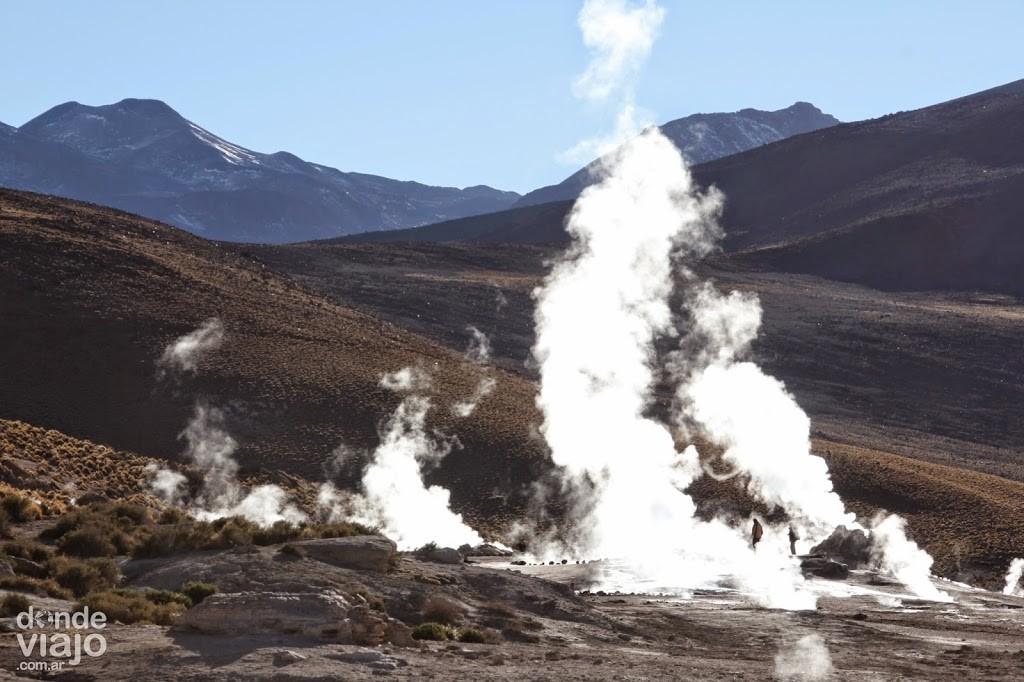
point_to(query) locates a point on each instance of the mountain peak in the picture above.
(109, 130)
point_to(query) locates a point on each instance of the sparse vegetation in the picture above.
(13, 604)
(443, 610)
(473, 636)
(197, 591)
(290, 550)
(134, 606)
(434, 632)
(20, 508)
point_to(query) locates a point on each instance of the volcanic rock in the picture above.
(326, 615)
(851, 547)
(368, 552)
(825, 568)
(5, 569)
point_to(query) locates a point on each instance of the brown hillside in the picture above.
(91, 296)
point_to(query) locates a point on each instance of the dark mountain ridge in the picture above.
(924, 199)
(142, 156)
(705, 137)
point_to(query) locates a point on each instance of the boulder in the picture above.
(366, 552)
(5, 569)
(287, 657)
(441, 555)
(318, 615)
(26, 567)
(851, 547)
(483, 550)
(825, 568)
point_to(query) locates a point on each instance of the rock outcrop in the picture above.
(851, 547)
(364, 552)
(328, 615)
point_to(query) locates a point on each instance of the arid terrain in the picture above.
(913, 398)
(870, 631)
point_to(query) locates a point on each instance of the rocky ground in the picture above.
(538, 626)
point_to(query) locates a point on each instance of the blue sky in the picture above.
(468, 92)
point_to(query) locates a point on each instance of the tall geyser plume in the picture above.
(599, 317)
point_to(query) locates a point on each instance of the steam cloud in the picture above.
(599, 314)
(479, 349)
(806, 660)
(479, 352)
(620, 37)
(1013, 576)
(210, 449)
(184, 353)
(394, 496)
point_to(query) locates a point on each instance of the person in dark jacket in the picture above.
(755, 533)
(793, 537)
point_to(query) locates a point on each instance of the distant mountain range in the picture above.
(925, 199)
(142, 156)
(706, 137)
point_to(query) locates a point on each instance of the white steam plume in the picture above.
(620, 37)
(210, 448)
(467, 407)
(479, 349)
(168, 485)
(764, 432)
(479, 352)
(1013, 576)
(599, 314)
(806, 660)
(897, 554)
(184, 353)
(394, 496)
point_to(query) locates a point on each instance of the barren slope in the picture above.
(91, 296)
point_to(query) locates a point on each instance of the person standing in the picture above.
(793, 537)
(755, 534)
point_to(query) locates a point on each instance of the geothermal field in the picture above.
(739, 399)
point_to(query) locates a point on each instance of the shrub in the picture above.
(343, 529)
(23, 549)
(135, 514)
(472, 636)
(281, 531)
(426, 549)
(90, 541)
(288, 549)
(20, 508)
(435, 632)
(131, 606)
(160, 541)
(83, 577)
(197, 592)
(162, 597)
(66, 523)
(13, 604)
(172, 515)
(442, 610)
(40, 586)
(374, 601)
